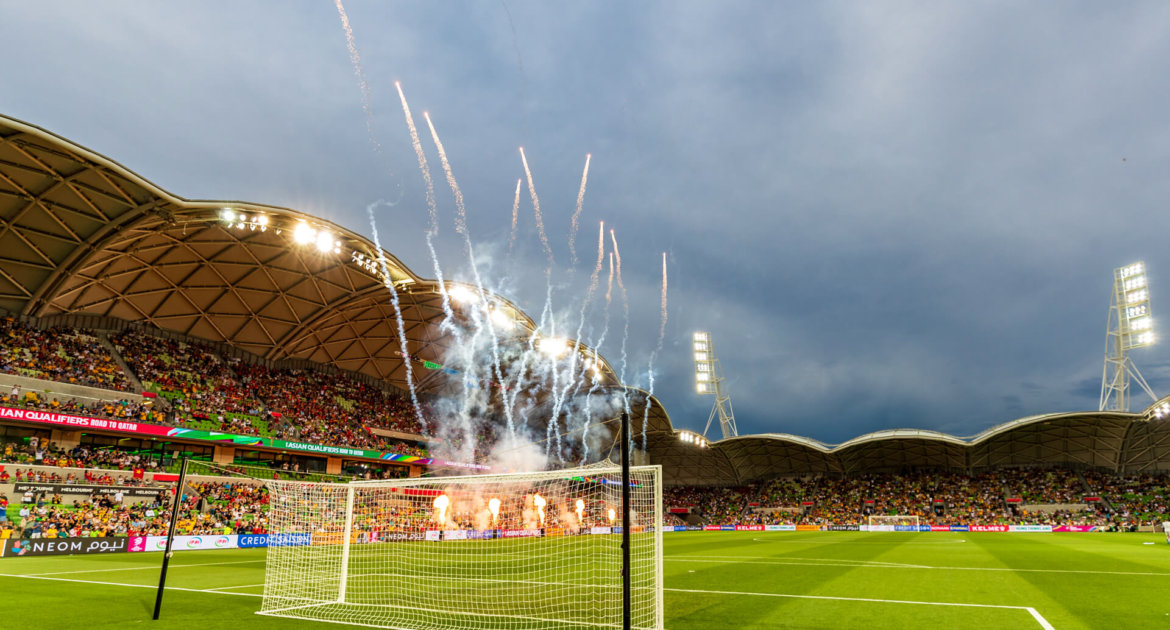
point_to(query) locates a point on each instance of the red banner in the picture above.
(749, 528)
(710, 528)
(940, 528)
(989, 528)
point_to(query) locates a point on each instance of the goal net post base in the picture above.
(494, 552)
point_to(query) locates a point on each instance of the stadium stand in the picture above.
(58, 354)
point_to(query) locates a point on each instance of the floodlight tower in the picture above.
(1129, 326)
(709, 380)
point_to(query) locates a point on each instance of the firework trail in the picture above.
(461, 211)
(389, 282)
(515, 215)
(432, 205)
(433, 208)
(356, 60)
(617, 255)
(571, 381)
(654, 355)
(536, 210)
(461, 228)
(577, 214)
(597, 349)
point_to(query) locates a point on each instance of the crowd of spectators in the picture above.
(1045, 497)
(58, 354)
(116, 409)
(206, 508)
(82, 456)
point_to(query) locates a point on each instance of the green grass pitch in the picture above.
(712, 580)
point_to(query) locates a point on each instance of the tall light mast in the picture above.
(1129, 326)
(709, 380)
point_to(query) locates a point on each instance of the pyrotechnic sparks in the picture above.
(536, 209)
(515, 215)
(617, 255)
(577, 214)
(494, 508)
(539, 502)
(580, 510)
(441, 503)
(432, 206)
(461, 211)
(389, 283)
(479, 318)
(654, 355)
(356, 60)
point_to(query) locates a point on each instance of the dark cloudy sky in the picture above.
(888, 214)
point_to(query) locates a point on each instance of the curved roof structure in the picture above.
(1129, 442)
(81, 234)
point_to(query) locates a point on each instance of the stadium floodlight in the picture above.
(500, 318)
(693, 438)
(1161, 411)
(1129, 326)
(554, 347)
(303, 234)
(475, 554)
(462, 294)
(709, 380)
(228, 215)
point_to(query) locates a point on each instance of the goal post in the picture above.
(893, 523)
(539, 551)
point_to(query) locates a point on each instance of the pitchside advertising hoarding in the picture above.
(156, 431)
(68, 488)
(63, 546)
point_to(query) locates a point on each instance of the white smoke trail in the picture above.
(617, 254)
(389, 282)
(433, 209)
(654, 355)
(577, 214)
(536, 209)
(461, 227)
(515, 215)
(363, 84)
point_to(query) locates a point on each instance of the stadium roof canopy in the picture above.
(83, 235)
(1126, 442)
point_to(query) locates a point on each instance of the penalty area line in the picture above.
(150, 586)
(1032, 611)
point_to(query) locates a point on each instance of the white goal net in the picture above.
(507, 552)
(893, 523)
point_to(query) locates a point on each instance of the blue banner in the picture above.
(907, 528)
(289, 540)
(960, 528)
(727, 528)
(247, 541)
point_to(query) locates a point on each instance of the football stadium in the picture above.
(267, 395)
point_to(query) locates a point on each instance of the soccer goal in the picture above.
(506, 552)
(893, 523)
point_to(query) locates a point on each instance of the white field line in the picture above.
(149, 566)
(150, 586)
(780, 561)
(839, 561)
(228, 588)
(1032, 611)
(1040, 619)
